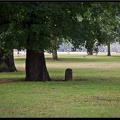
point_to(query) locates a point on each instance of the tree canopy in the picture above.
(39, 21)
(100, 23)
(79, 21)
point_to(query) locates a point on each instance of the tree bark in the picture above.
(36, 69)
(89, 47)
(54, 54)
(54, 48)
(7, 63)
(109, 53)
(90, 51)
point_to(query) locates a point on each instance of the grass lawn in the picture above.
(93, 93)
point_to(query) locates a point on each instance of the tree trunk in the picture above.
(89, 51)
(109, 53)
(7, 63)
(36, 66)
(54, 48)
(54, 54)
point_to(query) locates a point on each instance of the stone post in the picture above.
(68, 74)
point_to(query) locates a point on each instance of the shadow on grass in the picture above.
(3, 81)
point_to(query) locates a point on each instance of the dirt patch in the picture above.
(11, 80)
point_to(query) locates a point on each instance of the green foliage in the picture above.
(100, 22)
(32, 25)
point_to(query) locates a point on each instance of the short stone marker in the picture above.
(68, 74)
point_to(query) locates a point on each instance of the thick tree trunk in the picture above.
(7, 63)
(36, 66)
(109, 53)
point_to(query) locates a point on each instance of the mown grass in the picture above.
(93, 93)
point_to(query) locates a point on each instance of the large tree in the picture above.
(31, 26)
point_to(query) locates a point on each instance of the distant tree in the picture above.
(100, 22)
(55, 42)
(109, 24)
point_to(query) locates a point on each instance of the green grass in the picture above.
(93, 93)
